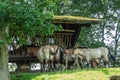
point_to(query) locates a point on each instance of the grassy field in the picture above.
(84, 74)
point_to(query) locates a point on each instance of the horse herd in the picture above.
(54, 57)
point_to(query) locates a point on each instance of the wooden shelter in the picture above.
(72, 26)
(71, 29)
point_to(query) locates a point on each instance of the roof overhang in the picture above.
(75, 20)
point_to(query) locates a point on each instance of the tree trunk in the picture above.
(4, 72)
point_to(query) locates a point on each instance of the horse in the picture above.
(70, 58)
(92, 54)
(58, 56)
(44, 54)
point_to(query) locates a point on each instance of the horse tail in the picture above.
(61, 55)
(56, 51)
(51, 50)
(112, 57)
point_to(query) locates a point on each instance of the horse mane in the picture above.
(60, 49)
(81, 47)
(70, 47)
(32, 46)
(61, 55)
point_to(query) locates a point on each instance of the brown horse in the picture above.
(43, 53)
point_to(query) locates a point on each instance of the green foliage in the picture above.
(97, 35)
(88, 38)
(27, 18)
(1, 41)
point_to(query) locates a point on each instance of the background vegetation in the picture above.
(106, 33)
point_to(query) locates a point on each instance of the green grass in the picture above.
(84, 74)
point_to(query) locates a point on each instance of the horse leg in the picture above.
(42, 67)
(55, 65)
(52, 65)
(107, 64)
(58, 66)
(41, 64)
(66, 63)
(88, 63)
(92, 64)
(77, 62)
(106, 61)
(48, 63)
(97, 63)
(80, 64)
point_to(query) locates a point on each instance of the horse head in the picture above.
(28, 50)
(32, 50)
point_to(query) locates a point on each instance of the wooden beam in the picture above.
(66, 30)
(77, 33)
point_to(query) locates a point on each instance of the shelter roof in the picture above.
(75, 19)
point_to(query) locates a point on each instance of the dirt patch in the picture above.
(115, 77)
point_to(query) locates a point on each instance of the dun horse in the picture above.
(93, 54)
(70, 58)
(58, 56)
(43, 53)
(51, 55)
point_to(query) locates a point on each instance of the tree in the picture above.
(3, 57)
(21, 19)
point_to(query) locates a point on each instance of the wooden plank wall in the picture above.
(62, 39)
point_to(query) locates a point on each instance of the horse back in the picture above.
(104, 50)
(98, 52)
(69, 51)
(93, 53)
